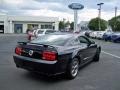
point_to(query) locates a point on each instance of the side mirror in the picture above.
(92, 42)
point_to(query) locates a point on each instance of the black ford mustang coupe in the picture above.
(56, 54)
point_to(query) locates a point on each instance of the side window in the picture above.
(83, 40)
(74, 42)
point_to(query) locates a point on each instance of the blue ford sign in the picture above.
(76, 6)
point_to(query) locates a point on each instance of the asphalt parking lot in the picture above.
(103, 75)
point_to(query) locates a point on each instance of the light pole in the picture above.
(99, 14)
(115, 18)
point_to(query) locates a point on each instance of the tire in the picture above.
(97, 55)
(105, 39)
(115, 41)
(72, 69)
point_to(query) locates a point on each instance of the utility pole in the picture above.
(115, 18)
(99, 15)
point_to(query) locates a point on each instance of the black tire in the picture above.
(115, 41)
(105, 40)
(72, 70)
(97, 55)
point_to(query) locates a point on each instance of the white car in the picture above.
(100, 34)
(40, 32)
(93, 34)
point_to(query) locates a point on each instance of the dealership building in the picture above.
(19, 24)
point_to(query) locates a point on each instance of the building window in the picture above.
(1, 28)
(32, 26)
(18, 28)
(46, 26)
(42, 26)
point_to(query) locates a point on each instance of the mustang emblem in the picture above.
(31, 52)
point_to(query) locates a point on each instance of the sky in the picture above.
(59, 8)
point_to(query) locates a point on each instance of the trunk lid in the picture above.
(34, 50)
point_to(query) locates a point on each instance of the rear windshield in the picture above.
(59, 40)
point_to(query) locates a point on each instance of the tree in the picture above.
(94, 24)
(72, 25)
(61, 25)
(67, 24)
(115, 23)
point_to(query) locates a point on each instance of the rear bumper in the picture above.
(40, 66)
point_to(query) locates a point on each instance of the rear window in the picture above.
(59, 40)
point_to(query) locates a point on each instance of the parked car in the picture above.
(93, 34)
(115, 37)
(55, 54)
(40, 32)
(87, 33)
(107, 36)
(99, 34)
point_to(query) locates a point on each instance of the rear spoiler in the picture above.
(27, 43)
(45, 45)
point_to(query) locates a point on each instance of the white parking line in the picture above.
(111, 54)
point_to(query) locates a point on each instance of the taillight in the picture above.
(18, 50)
(50, 56)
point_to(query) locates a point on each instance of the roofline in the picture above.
(30, 18)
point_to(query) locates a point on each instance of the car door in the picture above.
(88, 51)
(77, 49)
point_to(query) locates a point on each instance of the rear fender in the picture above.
(76, 54)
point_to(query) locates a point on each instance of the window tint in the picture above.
(74, 42)
(83, 40)
(59, 40)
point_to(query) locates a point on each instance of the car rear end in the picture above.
(41, 58)
(92, 34)
(100, 34)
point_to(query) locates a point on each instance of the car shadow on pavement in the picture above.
(49, 79)
(43, 78)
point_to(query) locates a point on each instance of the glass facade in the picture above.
(1, 28)
(46, 26)
(18, 28)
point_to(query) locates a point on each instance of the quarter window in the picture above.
(74, 42)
